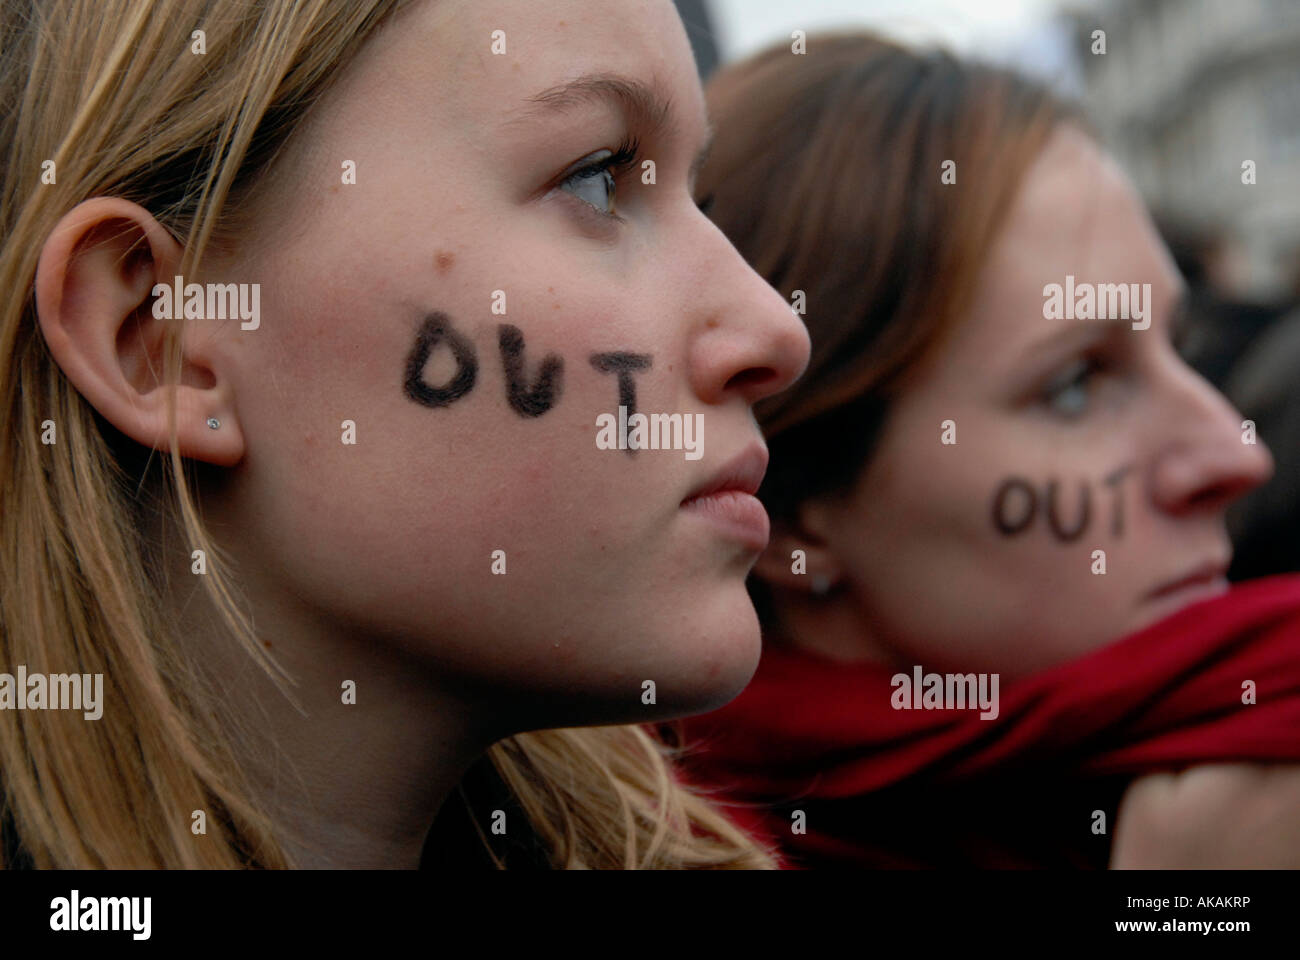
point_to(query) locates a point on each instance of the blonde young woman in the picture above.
(335, 555)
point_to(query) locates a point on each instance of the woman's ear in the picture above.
(94, 301)
(798, 555)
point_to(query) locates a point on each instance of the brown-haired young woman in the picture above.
(994, 597)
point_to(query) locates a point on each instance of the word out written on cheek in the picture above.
(1017, 503)
(527, 400)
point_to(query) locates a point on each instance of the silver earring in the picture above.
(213, 422)
(821, 584)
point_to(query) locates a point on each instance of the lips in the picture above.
(726, 501)
(1207, 575)
(742, 474)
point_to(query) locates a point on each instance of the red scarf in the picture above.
(880, 786)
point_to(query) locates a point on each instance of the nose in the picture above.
(1205, 462)
(745, 340)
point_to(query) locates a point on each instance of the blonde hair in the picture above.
(108, 92)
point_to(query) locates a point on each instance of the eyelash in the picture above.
(1084, 370)
(617, 163)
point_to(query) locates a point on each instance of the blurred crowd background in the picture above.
(1184, 93)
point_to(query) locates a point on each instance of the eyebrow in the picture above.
(1082, 333)
(641, 105)
(1087, 332)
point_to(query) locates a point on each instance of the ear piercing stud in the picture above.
(213, 422)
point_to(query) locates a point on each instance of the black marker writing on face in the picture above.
(1010, 520)
(1053, 516)
(535, 402)
(1009, 486)
(545, 392)
(436, 328)
(1113, 481)
(624, 364)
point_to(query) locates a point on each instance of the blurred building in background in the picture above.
(1186, 91)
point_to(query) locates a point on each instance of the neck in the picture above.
(831, 626)
(356, 778)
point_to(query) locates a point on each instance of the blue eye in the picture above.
(1068, 393)
(594, 185)
(596, 182)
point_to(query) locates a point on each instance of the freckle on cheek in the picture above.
(444, 260)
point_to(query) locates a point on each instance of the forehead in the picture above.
(428, 101)
(483, 58)
(1076, 213)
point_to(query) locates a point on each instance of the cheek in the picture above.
(357, 468)
(922, 502)
(969, 562)
(486, 530)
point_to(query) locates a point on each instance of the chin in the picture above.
(717, 661)
(1168, 604)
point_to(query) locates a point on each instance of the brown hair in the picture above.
(826, 175)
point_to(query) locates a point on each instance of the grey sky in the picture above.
(1016, 30)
